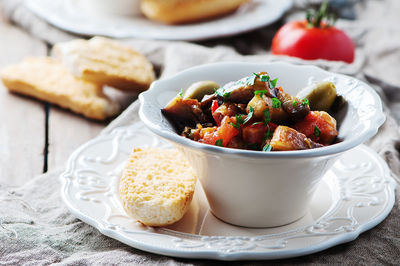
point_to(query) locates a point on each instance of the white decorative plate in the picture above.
(354, 196)
(72, 16)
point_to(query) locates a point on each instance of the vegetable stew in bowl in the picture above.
(245, 185)
(254, 113)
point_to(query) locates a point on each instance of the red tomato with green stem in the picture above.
(314, 39)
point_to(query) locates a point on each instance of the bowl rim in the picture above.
(376, 121)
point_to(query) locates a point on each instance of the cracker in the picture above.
(157, 186)
(106, 62)
(48, 80)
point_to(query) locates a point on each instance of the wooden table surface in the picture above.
(35, 137)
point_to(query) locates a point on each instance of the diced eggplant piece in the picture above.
(321, 96)
(260, 85)
(184, 112)
(254, 134)
(199, 89)
(236, 92)
(288, 139)
(313, 144)
(231, 109)
(259, 106)
(207, 100)
(236, 143)
(285, 97)
(296, 109)
(277, 114)
(242, 108)
(262, 103)
(338, 105)
(242, 91)
(225, 109)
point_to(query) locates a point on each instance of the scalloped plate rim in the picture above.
(241, 255)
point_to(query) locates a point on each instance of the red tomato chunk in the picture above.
(225, 132)
(325, 123)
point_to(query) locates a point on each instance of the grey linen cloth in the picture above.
(37, 229)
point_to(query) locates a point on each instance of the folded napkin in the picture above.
(36, 228)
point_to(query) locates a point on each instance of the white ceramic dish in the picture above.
(115, 7)
(354, 196)
(73, 16)
(260, 189)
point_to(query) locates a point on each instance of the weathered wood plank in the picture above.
(22, 130)
(67, 131)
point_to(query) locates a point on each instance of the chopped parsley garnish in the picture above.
(219, 143)
(240, 121)
(276, 103)
(249, 115)
(294, 103)
(222, 93)
(317, 132)
(264, 78)
(267, 148)
(181, 93)
(237, 126)
(272, 83)
(260, 92)
(219, 92)
(268, 134)
(305, 102)
(267, 117)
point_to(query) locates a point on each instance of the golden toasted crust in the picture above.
(47, 79)
(106, 62)
(186, 11)
(157, 186)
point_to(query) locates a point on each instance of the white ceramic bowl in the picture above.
(114, 7)
(263, 189)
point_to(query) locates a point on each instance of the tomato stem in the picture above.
(315, 17)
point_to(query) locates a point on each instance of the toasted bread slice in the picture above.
(187, 11)
(157, 186)
(48, 80)
(106, 62)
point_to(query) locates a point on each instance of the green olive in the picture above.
(320, 96)
(199, 89)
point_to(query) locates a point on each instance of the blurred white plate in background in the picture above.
(75, 17)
